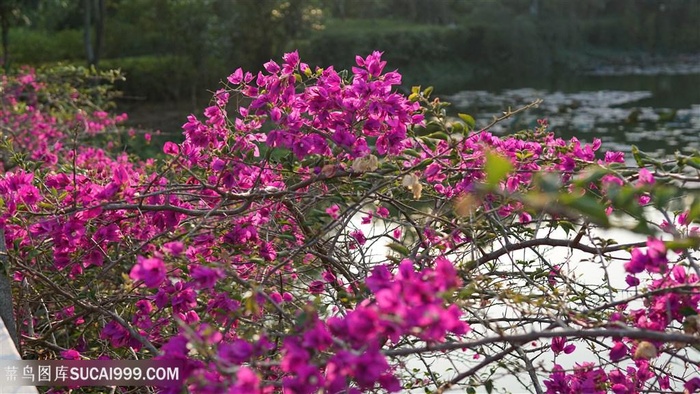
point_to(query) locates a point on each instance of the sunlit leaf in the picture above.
(439, 136)
(586, 205)
(694, 213)
(398, 248)
(497, 168)
(468, 120)
(683, 243)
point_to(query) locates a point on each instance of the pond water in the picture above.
(658, 113)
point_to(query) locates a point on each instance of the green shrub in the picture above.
(37, 47)
(443, 55)
(449, 56)
(153, 77)
(402, 43)
(123, 39)
(166, 78)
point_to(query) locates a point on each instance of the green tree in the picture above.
(255, 31)
(11, 12)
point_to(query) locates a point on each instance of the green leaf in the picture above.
(644, 158)
(683, 243)
(567, 226)
(398, 248)
(497, 168)
(662, 195)
(590, 174)
(423, 164)
(439, 136)
(522, 155)
(303, 318)
(547, 182)
(469, 120)
(687, 311)
(588, 206)
(412, 152)
(693, 162)
(488, 385)
(623, 197)
(427, 91)
(467, 291)
(694, 213)
(642, 227)
(429, 143)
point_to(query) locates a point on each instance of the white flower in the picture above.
(409, 180)
(412, 182)
(365, 164)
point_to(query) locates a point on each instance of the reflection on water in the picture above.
(660, 114)
(576, 265)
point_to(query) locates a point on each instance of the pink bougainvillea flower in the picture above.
(359, 236)
(316, 287)
(70, 354)
(559, 345)
(237, 352)
(692, 385)
(645, 177)
(247, 382)
(174, 248)
(150, 270)
(632, 281)
(638, 261)
(205, 277)
(618, 351)
(614, 157)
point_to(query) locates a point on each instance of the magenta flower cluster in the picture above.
(227, 255)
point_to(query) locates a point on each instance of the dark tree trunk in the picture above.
(99, 30)
(87, 32)
(93, 18)
(5, 26)
(340, 9)
(534, 7)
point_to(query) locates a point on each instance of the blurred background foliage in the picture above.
(174, 51)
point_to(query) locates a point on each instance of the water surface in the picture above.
(658, 113)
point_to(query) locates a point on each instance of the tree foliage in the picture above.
(451, 43)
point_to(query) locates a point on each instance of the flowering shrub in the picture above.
(317, 230)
